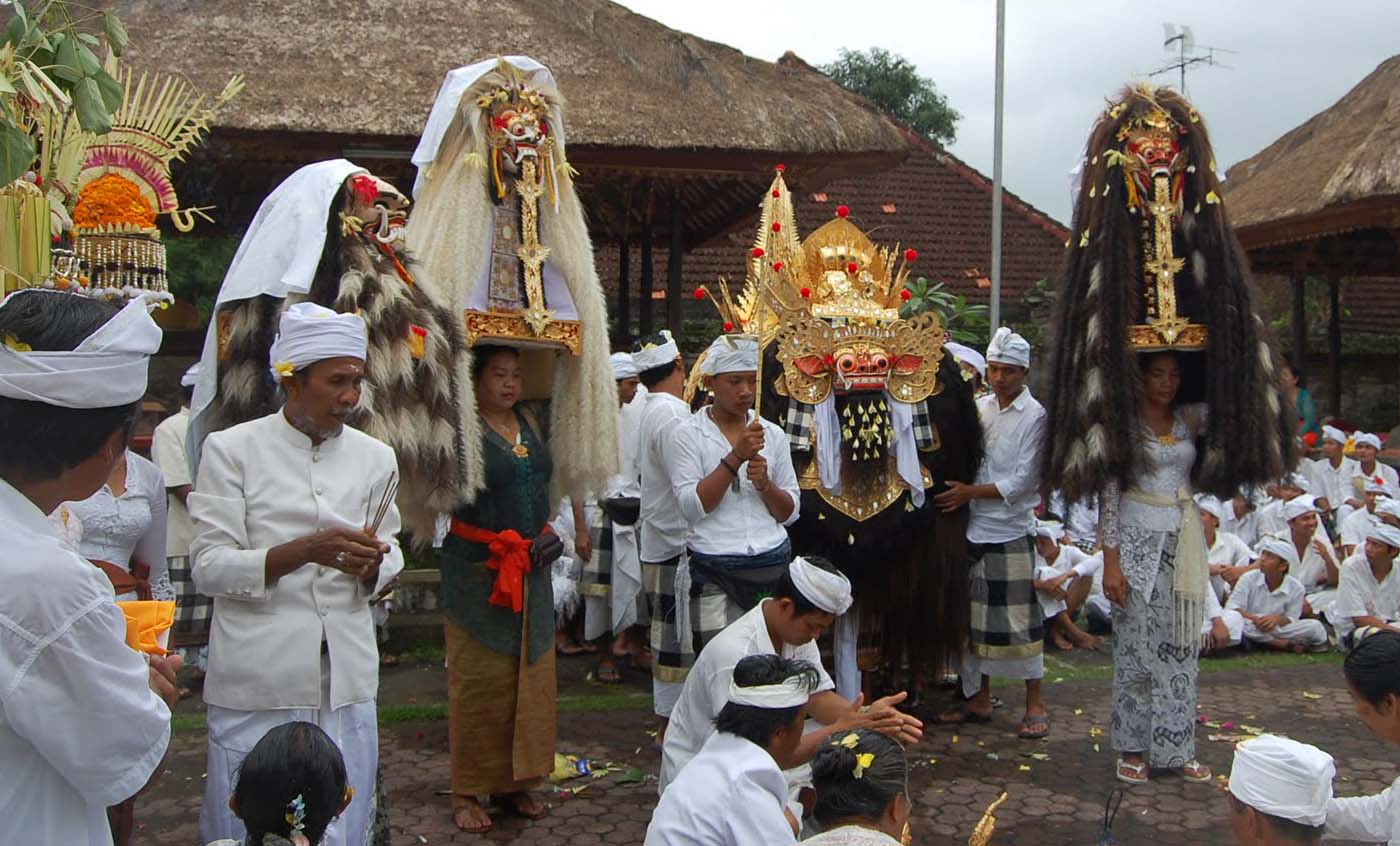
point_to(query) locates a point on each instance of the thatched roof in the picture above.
(360, 68)
(1345, 156)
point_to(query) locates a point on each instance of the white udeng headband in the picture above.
(791, 693)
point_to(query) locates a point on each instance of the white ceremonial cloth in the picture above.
(740, 524)
(261, 484)
(1007, 347)
(906, 449)
(1360, 595)
(731, 354)
(308, 333)
(120, 529)
(1368, 819)
(353, 728)
(168, 453)
(80, 728)
(731, 794)
(626, 556)
(1282, 777)
(663, 527)
(706, 688)
(1012, 438)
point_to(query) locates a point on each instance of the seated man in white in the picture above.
(733, 793)
(1367, 447)
(1271, 519)
(1369, 593)
(1271, 601)
(1228, 556)
(1242, 516)
(1317, 569)
(808, 598)
(1358, 522)
(1279, 792)
(1064, 576)
(1331, 475)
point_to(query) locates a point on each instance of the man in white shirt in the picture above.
(86, 719)
(662, 528)
(1007, 626)
(1369, 590)
(1317, 571)
(1064, 576)
(1271, 519)
(1271, 601)
(1332, 474)
(1227, 555)
(1359, 521)
(1242, 518)
(733, 793)
(1280, 792)
(806, 601)
(287, 543)
(1369, 472)
(191, 631)
(736, 486)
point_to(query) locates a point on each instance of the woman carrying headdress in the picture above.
(1162, 373)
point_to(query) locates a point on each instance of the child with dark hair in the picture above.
(734, 791)
(1373, 677)
(862, 782)
(291, 788)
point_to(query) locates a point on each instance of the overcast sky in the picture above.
(1293, 59)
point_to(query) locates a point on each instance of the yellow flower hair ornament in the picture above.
(284, 368)
(863, 762)
(16, 344)
(849, 741)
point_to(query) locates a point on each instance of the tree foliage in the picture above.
(894, 85)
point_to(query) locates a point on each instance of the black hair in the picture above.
(1291, 362)
(842, 796)
(758, 725)
(42, 440)
(291, 760)
(785, 588)
(1372, 667)
(1289, 830)
(653, 376)
(483, 353)
(187, 394)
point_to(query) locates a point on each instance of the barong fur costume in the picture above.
(1152, 263)
(415, 395)
(494, 124)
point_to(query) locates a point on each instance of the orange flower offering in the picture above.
(112, 200)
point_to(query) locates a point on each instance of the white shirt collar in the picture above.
(21, 508)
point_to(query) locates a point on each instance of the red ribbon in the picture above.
(510, 558)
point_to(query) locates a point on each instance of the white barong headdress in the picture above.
(108, 369)
(1282, 547)
(827, 589)
(1283, 778)
(309, 333)
(1007, 347)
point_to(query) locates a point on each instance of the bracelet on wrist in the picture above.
(733, 471)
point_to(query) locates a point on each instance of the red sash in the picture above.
(510, 558)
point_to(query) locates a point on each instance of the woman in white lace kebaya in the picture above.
(1156, 575)
(123, 530)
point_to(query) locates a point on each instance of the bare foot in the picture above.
(1061, 642)
(471, 817)
(526, 804)
(1084, 640)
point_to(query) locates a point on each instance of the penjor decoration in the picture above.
(878, 416)
(1154, 265)
(500, 234)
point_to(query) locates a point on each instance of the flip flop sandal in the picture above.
(512, 802)
(1029, 733)
(1195, 771)
(608, 675)
(959, 716)
(1132, 773)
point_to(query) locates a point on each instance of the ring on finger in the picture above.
(341, 558)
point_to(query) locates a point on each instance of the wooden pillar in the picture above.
(624, 293)
(1334, 346)
(644, 322)
(675, 257)
(1300, 321)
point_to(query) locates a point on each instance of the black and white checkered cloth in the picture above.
(193, 610)
(798, 425)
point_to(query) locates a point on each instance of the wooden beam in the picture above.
(675, 258)
(1334, 346)
(644, 322)
(624, 292)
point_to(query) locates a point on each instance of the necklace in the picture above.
(511, 435)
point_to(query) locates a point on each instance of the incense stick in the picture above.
(390, 490)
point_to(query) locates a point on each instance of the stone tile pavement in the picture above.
(1057, 787)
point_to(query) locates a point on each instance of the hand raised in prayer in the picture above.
(546, 549)
(750, 441)
(757, 471)
(1115, 586)
(351, 551)
(162, 678)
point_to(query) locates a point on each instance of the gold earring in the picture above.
(906, 837)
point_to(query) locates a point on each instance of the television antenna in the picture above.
(1180, 43)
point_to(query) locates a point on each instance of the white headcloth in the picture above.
(655, 355)
(1282, 547)
(1009, 348)
(1296, 480)
(1283, 778)
(191, 376)
(1298, 506)
(1385, 533)
(731, 354)
(107, 369)
(1211, 505)
(310, 333)
(1388, 506)
(828, 590)
(789, 693)
(967, 355)
(1375, 485)
(1049, 529)
(1369, 438)
(1332, 433)
(623, 367)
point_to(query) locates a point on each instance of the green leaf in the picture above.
(16, 31)
(66, 64)
(112, 91)
(92, 112)
(88, 62)
(17, 152)
(88, 38)
(7, 87)
(115, 32)
(20, 14)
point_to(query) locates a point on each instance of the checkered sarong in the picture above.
(596, 579)
(711, 610)
(1006, 618)
(669, 661)
(798, 425)
(193, 610)
(923, 426)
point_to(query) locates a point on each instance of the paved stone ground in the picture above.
(1057, 787)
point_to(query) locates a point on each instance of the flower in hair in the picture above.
(284, 368)
(296, 821)
(863, 761)
(16, 344)
(849, 741)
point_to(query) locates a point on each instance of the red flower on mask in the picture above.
(364, 188)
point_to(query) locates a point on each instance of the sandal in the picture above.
(959, 716)
(570, 648)
(467, 821)
(1132, 773)
(1034, 727)
(1195, 771)
(608, 674)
